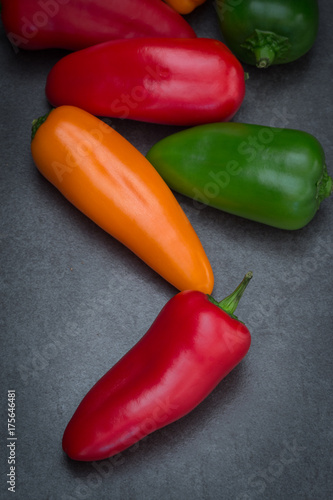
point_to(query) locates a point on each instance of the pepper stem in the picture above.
(266, 47)
(264, 56)
(324, 187)
(37, 123)
(230, 303)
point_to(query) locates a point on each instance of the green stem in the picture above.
(266, 47)
(324, 187)
(264, 56)
(230, 303)
(37, 123)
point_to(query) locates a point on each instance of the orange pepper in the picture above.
(184, 6)
(111, 182)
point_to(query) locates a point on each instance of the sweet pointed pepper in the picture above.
(111, 182)
(276, 176)
(265, 33)
(167, 81)
(191, 346)
(77, 24)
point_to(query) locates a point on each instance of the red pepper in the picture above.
(192, 345)
(160, 80)
(76, 24)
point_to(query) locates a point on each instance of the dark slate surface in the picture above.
(74, 301)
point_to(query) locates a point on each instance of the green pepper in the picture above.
(263, 33)
(275, 176)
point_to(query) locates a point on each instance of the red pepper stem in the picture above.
(230, 303)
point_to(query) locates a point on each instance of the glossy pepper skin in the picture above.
(77, 24)
(264, 33)
(112, 183)
(191, 346)
(167, 81)
(184, 6)
(270, 175)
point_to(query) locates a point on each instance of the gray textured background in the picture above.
(74, 301)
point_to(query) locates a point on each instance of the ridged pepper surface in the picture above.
(271, 175)
(111, 182)
(77, 24)
(191, 346)
(167, 81)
